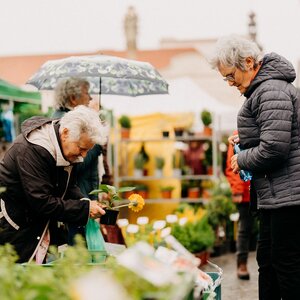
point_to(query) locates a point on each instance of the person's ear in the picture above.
(73, 101)
(249, 63)
(64, 135)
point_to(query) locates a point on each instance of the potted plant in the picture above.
(142, 189)
(139, 163)
(159, 164)
(125, 124)
(112, 204)
(193, 190)
(208, 157)
(177, 163)
(206, 118)
(196, 236)
(219, 209)
(166, 191)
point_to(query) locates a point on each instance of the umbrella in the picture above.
(106, 74)
(9, 91)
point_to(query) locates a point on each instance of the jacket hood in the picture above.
(273, 66)
(33, 123)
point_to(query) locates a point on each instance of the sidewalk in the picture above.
(232, 287)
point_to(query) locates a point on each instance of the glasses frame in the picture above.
(231, 76)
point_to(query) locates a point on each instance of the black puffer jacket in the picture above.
(39, 188)
(268, 128)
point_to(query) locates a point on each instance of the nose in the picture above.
(83, 153)
(90, 97)
(230, 83)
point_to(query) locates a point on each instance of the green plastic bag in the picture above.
(95, 241)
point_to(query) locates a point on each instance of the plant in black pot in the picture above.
(113, 202)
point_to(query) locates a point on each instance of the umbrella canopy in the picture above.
(9, 91)
(106, 74)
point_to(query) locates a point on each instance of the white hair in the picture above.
(84, 120)
(231, 51)
(67, 88)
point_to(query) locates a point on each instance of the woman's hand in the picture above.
(96, 210)
(234, 139)
(234, 164)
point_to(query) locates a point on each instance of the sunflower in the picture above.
(137, 202)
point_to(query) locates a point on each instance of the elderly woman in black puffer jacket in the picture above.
(268, 130)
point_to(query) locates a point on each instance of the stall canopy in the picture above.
(184, 96)
(9, 91)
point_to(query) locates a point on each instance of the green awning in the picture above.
(9, 91)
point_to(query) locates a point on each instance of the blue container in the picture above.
(245, 175)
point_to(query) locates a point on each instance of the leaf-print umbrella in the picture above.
(106, 74)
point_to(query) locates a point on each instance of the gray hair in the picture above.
(231, 51)
(84, 120)
(67, 88)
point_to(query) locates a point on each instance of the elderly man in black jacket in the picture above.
(268, 130)
(37, 173)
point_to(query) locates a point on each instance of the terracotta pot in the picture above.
(166, 194)
(142, 193)
(193, 192)
(125, 133)
(110, 218)
(204, 256)
(207, 131)
(126, 195)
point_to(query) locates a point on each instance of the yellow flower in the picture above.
(137, 202)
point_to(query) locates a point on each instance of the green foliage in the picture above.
(112, 192)
(178, 160)
(195, 236)
(139, 161)
(208, 160)
(33, 281)
(25, 111)
(159, 162)
(125, 122)
(206, 117)
(220, 206)
(167, 188)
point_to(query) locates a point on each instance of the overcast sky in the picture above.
(56, 26)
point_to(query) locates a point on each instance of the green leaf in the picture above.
(126, 189)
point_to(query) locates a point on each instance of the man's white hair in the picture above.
(84, 120)
(231, 51)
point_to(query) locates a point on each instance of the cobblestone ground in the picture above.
(232, 287)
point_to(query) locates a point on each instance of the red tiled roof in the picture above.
(18, 69)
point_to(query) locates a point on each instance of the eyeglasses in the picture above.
(230, 77)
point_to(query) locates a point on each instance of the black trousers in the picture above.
(278, 254)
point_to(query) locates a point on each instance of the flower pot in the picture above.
(142, 193)
(166, 194)
(207, 131)
(158, 173)
(176, 172)
(204, 257)
(138, 173)
(110, 218)
(125, 133)
(193, 192)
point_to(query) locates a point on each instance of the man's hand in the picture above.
(96, 210)
(234, 164)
